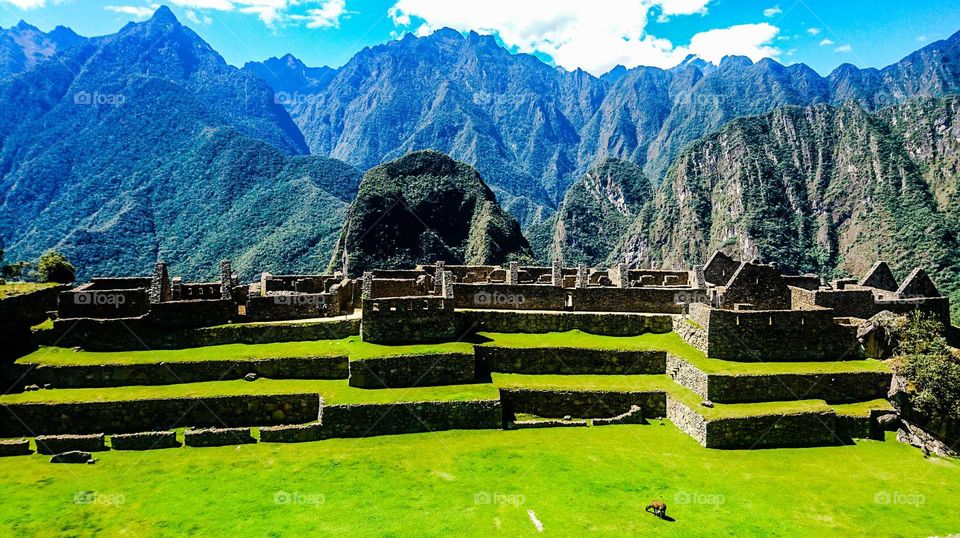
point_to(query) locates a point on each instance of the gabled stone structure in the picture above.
(719, 269)
(755, 287)
(918, 285)
(880, 277)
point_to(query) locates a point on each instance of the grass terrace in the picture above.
(352, 347)
(674, 345)
(334, 391)
(576, 481)
(19, 288)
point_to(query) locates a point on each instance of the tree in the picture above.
(54, 267)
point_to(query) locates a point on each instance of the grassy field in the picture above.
(19, 288)
(575, 481)
(352, 347)
(334, 391)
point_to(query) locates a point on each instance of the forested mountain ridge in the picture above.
(114, 152)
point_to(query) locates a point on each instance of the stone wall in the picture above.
(409, 320)
(144, 440)
(413, 370)
(111, 335)
(850, 302)
(168, 373)
(132, 416)
(383, 288)
(191, 314)
(839, 387)
(58, 444)
(285, 306)
(557, 403)
(834, 388)
(560, 360)
(509, 297)
(217, 437)
(687, 420)
(364, 420)
(20, 312)
(613, 324)
(770, 335)
(102, 304)
(814, 428)
(654, 300)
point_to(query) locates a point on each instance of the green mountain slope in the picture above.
(824, 189)
(422, 208)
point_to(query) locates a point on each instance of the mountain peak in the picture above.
(163, 15)
(734, 61)
(447, 33)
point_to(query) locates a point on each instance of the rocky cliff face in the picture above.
(422, 208)
(596, 211)
(824, 189)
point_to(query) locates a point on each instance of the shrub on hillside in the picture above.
(930, 365)
(54, 267)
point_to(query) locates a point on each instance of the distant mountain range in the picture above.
(531, 130)
(144, 145)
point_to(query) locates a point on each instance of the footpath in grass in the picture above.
(575, 481)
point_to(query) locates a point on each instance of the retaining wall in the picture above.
(409, 320)
(838, 387)
(556, 403)
(168, 373)
(364, 420)
(217, 437)
(114, 335)
(413, 370)
(562, 360)
(131, 416)
(144, 441)
(614, 324)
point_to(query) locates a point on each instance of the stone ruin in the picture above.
(726, 308)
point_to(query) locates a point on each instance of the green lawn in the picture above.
(334, 391)
(576, 481)
(673, 344)
(352, 347)
(19, 288)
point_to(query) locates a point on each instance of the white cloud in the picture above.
(826, 42)
(318, 14)
(328, 15)
(198, 19)
(137, 12)
(813, 31)
(25, 4)
(579, 34)
(772, 11)
(844, 48)
(921, 38)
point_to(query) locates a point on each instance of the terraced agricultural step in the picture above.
(797, 423)
(569, 360)
(847, 381)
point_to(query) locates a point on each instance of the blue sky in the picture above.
(593, 35)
